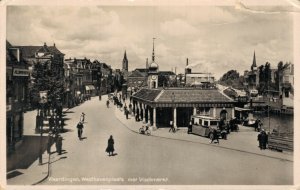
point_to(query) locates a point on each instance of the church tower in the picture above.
(253, 66)
(153, 71)
(125, 63)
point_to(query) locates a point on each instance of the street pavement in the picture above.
(153, 160)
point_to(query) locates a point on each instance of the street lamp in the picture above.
(99, 82)
(41, 119)
(174, 107)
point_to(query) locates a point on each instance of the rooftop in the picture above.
(182, 95)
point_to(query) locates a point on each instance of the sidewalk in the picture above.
(243, 141)
(23, 165)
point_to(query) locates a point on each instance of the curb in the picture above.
(48, 172)
(238, 150)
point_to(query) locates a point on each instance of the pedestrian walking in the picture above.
(107, 103)
(79, 129)
(215, 136)
(110, 146)
(125, 108)
(58, 144)
(171, 127)
(82, 117)
(256, 125)
(190, 127)
(100, 97)
(126, 113)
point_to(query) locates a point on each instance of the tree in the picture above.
(46, 79)
(232, 78)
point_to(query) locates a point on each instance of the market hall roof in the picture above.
(148, 95)
(192, 95)
(181, 95)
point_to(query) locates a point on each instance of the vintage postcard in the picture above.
(149, 94)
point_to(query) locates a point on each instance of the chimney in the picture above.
(187, 61)
(54, 44)
(45, 44)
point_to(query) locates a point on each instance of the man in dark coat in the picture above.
(262, 139)
(110, 146)
(215, 136)
(126, 113)
(79, 129)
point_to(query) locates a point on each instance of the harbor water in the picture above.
(282, 123)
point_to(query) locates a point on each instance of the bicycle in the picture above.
(144, 131)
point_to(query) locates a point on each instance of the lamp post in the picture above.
(99, 81)
(174, 110)
(42, 102)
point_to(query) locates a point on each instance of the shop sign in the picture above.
(21, 72)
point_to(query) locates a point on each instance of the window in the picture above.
(286, 79)
(205, 123)
(203, 111)
(213, 123)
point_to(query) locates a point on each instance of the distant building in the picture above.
(200, 79)
(153, 72)
(252, 76)
(157, 105)
(102, 77)
(125, 63)
(137, 79)
(287, 87)
(17, 76)
(43, 54)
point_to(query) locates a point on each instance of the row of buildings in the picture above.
(79, 77)
(282, 96)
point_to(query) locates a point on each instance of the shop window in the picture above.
(203, 111)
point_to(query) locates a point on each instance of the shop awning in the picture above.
(89, 87)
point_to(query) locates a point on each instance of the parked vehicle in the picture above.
(244, 116)
(204, 126)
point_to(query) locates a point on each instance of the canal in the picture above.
(282, 123)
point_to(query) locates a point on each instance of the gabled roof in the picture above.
(136, 73)
(142, 70)
(30, 51)
(182, 95)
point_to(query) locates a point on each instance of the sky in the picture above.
(216, 39)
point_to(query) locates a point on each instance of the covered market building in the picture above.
(159, 106)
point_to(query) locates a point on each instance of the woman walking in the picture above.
(110, 146)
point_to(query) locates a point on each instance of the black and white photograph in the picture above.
(149, 94)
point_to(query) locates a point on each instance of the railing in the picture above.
(281, 141)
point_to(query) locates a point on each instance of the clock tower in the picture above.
(153, 72)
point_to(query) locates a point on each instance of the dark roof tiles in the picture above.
(193, 95)
(147, 94)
